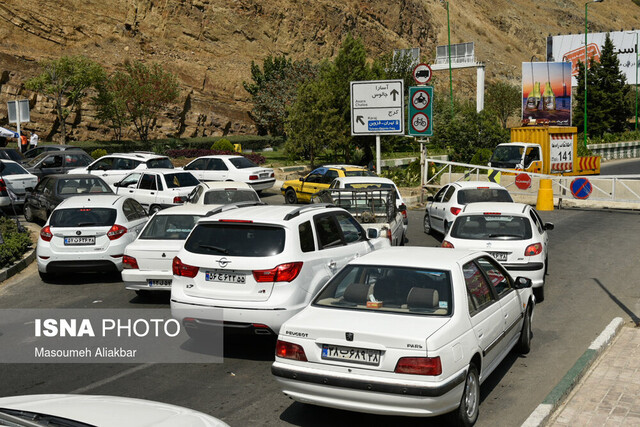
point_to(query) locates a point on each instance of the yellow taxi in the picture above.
(301, 190)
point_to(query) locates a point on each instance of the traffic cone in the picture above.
(545, 196)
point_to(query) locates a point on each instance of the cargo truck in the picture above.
(549, 150)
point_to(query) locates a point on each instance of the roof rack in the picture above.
(238, 205)
(296, 212)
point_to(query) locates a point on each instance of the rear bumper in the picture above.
(136, 280)
(88, 266)
(262, 184)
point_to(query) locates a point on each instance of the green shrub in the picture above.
(404, 176)
(482, 157)
(96, 154)
(15, 243)
(222, 145)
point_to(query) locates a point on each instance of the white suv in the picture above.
(262, 264)
(113, 167)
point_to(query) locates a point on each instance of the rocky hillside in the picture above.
(209, 44)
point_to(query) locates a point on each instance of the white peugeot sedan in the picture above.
(88, 234)
(232, 168)
(93, 410)
(147, 261)
(222, 193)
(513, 233)
(406, 331)
(14, 181)
(443, 208)
(113, 167)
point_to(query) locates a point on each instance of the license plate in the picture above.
(351, 354)
(499, 256)
(213, 276)
(79, 241)
(264, 175)
(159, 283)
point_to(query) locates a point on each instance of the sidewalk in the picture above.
(609, 393)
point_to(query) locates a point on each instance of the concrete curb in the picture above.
(555, 398)
(14, 269)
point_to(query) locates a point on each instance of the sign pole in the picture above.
(378, 161)
(18, 125)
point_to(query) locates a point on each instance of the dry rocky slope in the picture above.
(209, 45)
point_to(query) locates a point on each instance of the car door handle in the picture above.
(152, 193)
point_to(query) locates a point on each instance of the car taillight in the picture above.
(289, 350)
(419, 366)
(446, 244)
(534, 249)
(129, 262)
(46, 234)
(282, 273)
(273, 175)
(253, 177)
(178, 199)
(403, 210)
(116, 231)
(389, 235)
(3, 186)
(181, 269)
(455, 210)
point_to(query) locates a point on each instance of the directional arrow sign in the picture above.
(377, 107)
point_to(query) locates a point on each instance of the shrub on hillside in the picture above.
(100, 152)
(258, 159)
(15, 243)
(222, 145)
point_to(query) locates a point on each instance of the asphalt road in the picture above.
(592, 279)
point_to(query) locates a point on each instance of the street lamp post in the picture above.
(586, 65)
(449, 52)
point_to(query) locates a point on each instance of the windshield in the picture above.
(83, 217)
(169, 227)
(162, 163)
(223, 197)
(34, 161)
(182, 179)
(491, 227)
(83, 185)
(389, 289)
(242, 163)
(473, 195)
(511, 154)
(13, 169)
(246, 240)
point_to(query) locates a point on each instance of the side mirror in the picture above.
(117, 184)
(549, 226)
(372, 233)
(429, 198)
(301, 179)
(523, 282)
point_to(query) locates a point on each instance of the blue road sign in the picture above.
(384, 125)
(581, 188)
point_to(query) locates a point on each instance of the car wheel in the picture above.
(427, 224)
(154, 208)
(539, 293)
(524, 343)
(402, 240)
(290, 196)
(28, 213)
(467, 413)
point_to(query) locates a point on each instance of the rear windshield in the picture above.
(83, 217)
(83, 185)
(473, 195)
(362, 172)
(245, 240)
(492, 227)
(183, 179)
(242, 163)
(169, 227)
(163, 163)
(389, 289)
(13, 169)
(223, 197)
(13, 155)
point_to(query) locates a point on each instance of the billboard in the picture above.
(546, 92)
(571, 48)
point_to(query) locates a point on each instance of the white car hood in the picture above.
(111, 411)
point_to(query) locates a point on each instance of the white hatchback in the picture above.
(147, 261)
(222, 193)
(88, 234)
(513, 233)
(113, 167)
(232, 168)
(407, 331)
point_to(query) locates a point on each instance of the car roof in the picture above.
(364, 179)
(476, 184)
(221, 185)
(416, 256)
(73, 176)
(187, 209)
(265, 213)
(160, 171)
(343, 166)
(221, 156)
(92, 201)
(501, 207)
(138, 155)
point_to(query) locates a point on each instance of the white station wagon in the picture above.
(406, 331)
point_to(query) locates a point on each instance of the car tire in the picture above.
(467, 413)
(539, 293)
(290, 197)
(427, 224)
(402, 240)
(524, 343)
(154, 208)
(28, 213)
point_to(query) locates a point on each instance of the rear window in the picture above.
(242, 163)
(184, 179)
(363, 172)
(247, 240)
(163, 163)
(223, 197)
(389, 289)
(83, 185)
(83, 217)
(473, 195)
(492, 227)
(169, 227)
(13, 155)
(13, 169)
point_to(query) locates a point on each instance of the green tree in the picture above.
(274, 89)
(66, 80)
(608, 106)
(503, 100)
(144, 91)
(111, 109)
